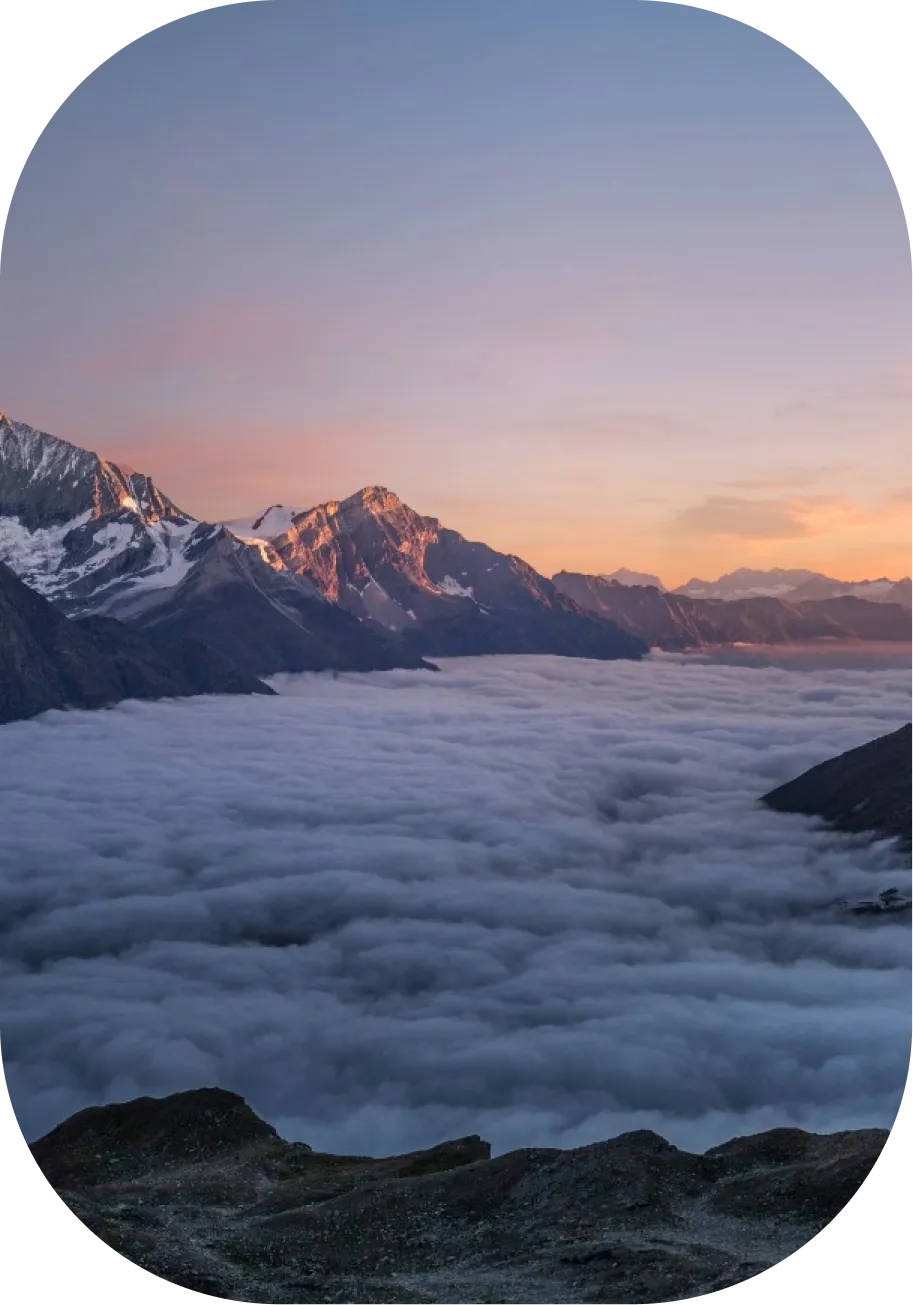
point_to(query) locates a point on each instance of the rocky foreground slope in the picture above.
(199, 1190)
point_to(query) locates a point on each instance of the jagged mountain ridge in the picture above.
(97, 539)
(443, 594)
(362, 583)
(269, 619)
(881, 590)
(90, 535)
(372, 547)
(794, 585)
(797, 585)
(47, 481)
(676, 622)
(48, 660)
(746, 582)
(310, 600)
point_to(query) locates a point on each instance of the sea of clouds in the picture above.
(532, 898)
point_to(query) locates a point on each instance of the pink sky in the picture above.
(600, 284)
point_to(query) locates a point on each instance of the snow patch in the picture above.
(116, 535)
(450, 586)
(263, 526)
(736, 594)
(874, 590)
(165, 569)
(36, 555)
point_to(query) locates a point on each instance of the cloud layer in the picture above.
(531, 898)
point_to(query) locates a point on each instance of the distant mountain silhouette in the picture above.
(675, 622)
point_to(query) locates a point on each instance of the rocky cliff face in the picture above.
(45, 482)
(47, 660)
(865, 789)
(197, 1189)
(268, 619)
(379, 559)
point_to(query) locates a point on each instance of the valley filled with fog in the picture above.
(529, 897)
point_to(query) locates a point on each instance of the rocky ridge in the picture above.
(442, 594)
(199, 1190)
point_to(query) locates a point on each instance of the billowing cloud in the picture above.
(532, 898)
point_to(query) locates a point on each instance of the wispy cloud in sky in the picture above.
(788, 478)
(768, 518)
(860, 400)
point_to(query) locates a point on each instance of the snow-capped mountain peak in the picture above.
(84, 531)
(265, 525)
(281, 590)
(748, 583)
(381, 560)
(796, 585)
(46, 481)
(268, 525)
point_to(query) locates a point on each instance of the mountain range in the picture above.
(797, 585)
(675, 622)
(365, 583)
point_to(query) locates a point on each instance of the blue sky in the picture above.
(601, 283)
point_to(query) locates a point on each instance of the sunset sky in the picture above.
(600, 283)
